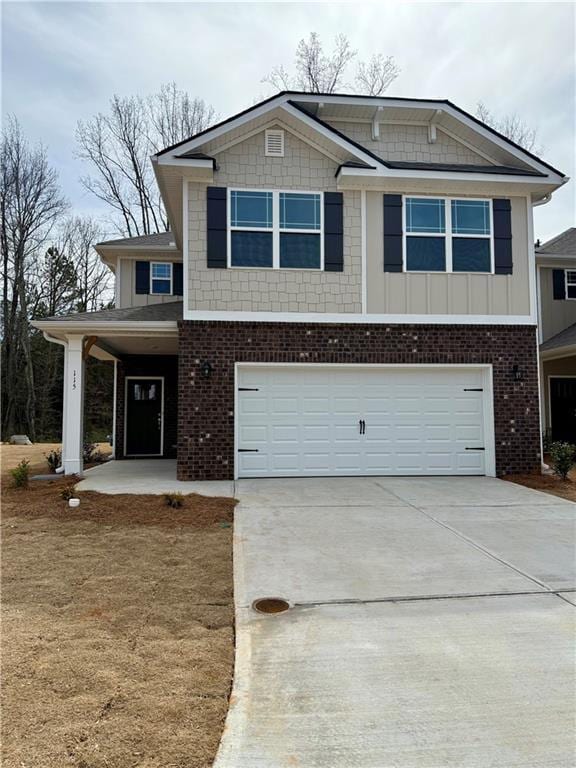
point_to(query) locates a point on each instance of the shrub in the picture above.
(92, 455)
(67, 492)
(563, 458)
(174, 500)
(54, 459)
(21, 474)
(88, 451)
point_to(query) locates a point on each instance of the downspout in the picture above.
(541, 406)
(53, 340)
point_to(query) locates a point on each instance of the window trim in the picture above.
(448, 234)
(569, 284)
(275, 229)
(152, 278)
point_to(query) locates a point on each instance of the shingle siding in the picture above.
(302, 168)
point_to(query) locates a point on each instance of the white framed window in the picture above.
(161, 278)
(446, 234)
(570, 284)
(275, 229)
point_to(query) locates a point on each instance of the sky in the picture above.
(61, 62)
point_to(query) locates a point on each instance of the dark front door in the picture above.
(144, 417)
(563, 408)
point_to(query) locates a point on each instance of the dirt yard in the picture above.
(117, 627)
(566, 489)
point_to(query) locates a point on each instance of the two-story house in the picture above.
(556, 281)
(348, 288)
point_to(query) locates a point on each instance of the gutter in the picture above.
(86, 327)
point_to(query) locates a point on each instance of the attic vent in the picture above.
(274, 143)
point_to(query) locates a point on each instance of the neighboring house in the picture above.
(358, 296)
(556, 265)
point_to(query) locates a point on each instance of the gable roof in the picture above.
(563, 244)
(289, 98)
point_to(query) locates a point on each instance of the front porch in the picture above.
(558, 384)
(148, 476)
(142, 345)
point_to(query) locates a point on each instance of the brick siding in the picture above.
(206, 406)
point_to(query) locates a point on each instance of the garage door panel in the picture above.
(305, 421)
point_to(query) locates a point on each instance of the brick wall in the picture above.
(206, 406)
(149, 365)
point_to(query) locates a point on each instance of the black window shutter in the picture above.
(177, 278)
(502, 218)
(142, 277)
(393, 233)
(216, 236)
(333, 232)
(559, 283)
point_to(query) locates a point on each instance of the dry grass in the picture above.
(36, 454)
(117, 629)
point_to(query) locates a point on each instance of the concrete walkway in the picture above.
(155, 476)
(432, 626)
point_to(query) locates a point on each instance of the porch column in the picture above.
(73, 419)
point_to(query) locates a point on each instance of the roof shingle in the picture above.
(170, 311)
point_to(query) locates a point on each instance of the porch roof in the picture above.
(113, 333)
(561, 345)
(169, 311)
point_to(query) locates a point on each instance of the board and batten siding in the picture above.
(244, 165)
(126, 295)
(445, 294)
(555, 314)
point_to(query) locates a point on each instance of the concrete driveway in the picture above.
(433, 625)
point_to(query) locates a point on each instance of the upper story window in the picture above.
(278, 230)
(448, 235)
(160, 277)
(570, 284)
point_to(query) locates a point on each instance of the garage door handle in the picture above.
(248, 450)
(362, 425)
(475, 449)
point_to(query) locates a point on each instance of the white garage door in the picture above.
(346, 420)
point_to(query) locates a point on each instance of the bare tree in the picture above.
(511, 126)
(374, 76)
(30, 205)
(117, 145)
(320, 72)
(92, 277)
(175, 115)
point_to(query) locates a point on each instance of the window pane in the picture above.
(470, 254)
(425, 254)
(299, 211)
(300, 251)
(470, 217)
(425, 215)
(161, 270)
(251, 249)
(160, 286)
(571, 292)
(251, 209)
(571, 277)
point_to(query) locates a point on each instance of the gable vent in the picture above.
(274, 143)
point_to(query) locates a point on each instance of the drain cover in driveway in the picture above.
(270, 605)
